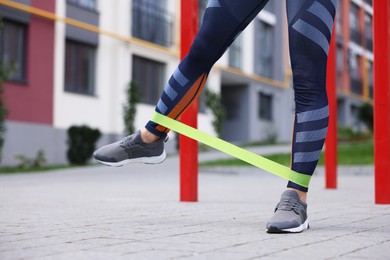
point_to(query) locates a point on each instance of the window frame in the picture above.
(79, 4)
(265, 113)
(156, 88)
(151, 21)
(82, 90)
(235, 53)
(23, 55)
(267, 34)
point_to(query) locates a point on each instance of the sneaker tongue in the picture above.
(288, 200)
(133, 138)
(290, 194)
(137, 137)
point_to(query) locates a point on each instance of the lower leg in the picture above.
(302, 194)
(223, 21)
(148, 137)
(310, 27)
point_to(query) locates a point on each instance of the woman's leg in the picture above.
(310, 25)
(310, 28)
(222, 22)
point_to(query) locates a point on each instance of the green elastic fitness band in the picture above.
(235, 151)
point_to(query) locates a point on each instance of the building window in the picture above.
(231, 97)
(88, 4)
(265, 106)
(149, 77)
(354, 70)
(264, 49)
(356, 35)
(340, 64)
(339, 20)
(235, 53)
(370, 79)
(13, 49)
(202, 100)
(152, 22)
(368, 25)
(80, 65)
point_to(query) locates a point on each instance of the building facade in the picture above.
(255, 80)
(75, 58)
(66, 75)
(355, 59)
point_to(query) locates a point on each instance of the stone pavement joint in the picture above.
(133, 212)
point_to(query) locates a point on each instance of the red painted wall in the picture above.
(33, 101)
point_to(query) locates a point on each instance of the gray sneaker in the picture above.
(131, 149)
(290, 215)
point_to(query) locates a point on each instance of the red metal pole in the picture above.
(331, 138)
(382, 100)
(188, 147)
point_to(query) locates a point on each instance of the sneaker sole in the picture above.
(145, 160)
(299, 229)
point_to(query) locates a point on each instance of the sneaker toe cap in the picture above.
(105, 153)
(283, 224)
(103, 158)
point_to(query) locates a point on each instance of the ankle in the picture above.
(302, 194)
(148, 137)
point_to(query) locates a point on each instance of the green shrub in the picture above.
(214, 103)
(366, 115)
(81, 141)
(130, 107)
(271, 135)
(348, 134)
(26, 163)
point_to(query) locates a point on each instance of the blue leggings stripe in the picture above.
(162, 107)
(311, 136)
(313, 115)
(180, 78)
(321, 12)
(213, 4)
(171, 93)
(312, 33)
(334, 2)
(303, 157)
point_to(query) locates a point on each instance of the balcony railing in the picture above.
(152, 23)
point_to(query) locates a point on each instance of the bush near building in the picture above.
(82, 143)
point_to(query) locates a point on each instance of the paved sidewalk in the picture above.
(133, 212)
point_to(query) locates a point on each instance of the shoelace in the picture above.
(126, 142)
(288, 205)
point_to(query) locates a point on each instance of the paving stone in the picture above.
(133, 212)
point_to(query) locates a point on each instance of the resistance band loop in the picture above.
(235, 151)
